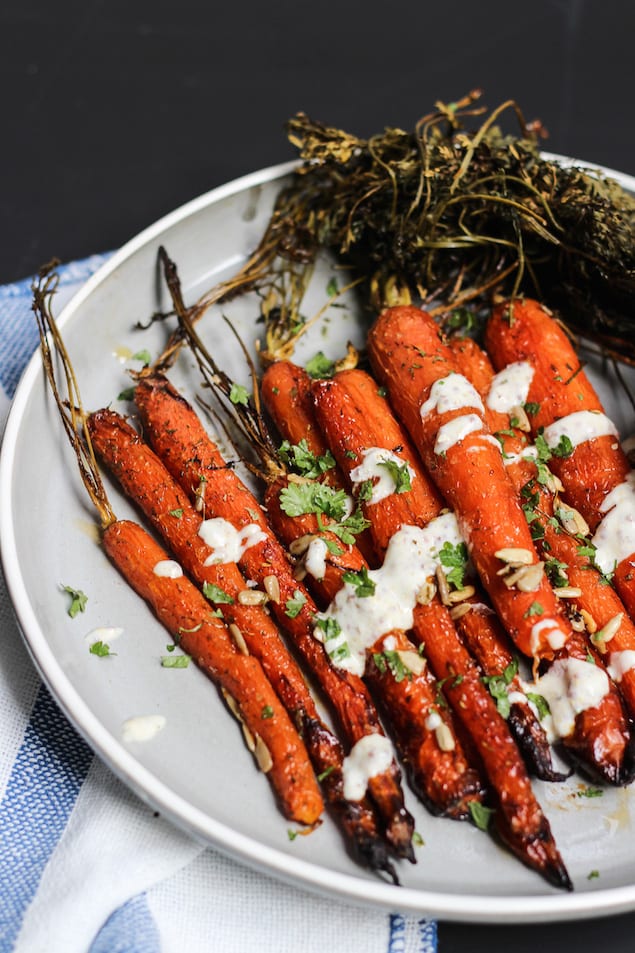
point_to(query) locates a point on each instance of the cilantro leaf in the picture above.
(304, 461)
(101, 649)
(541, 703)
(400, 473)
(294, 605)
(363, 584)
(480, 815)
(215, 594)
(175, 661)
(239, 394)
(556, 574)
(297, 499)
(320, 366)
(564, 448)
(534, 609)
(392, 660)
(78, 601)
(455, 559)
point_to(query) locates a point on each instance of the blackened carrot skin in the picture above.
(144, 478)
(186, 614)
(180, 440)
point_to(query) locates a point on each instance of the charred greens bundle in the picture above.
(448, 216)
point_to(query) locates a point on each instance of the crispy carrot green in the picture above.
(356, 421)
(180, 440)
(593, 468)
(186, 614)
(146, 480)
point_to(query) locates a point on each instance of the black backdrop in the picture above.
(116, 111)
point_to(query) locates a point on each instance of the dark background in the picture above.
(116, 111)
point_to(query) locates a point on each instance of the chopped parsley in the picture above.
(143, 356)
(455, 559)
(320, 366)
(391, 661)
(293, 607)
(215, 594)
(267, 712)
(329, 626)
(498, 685)
(531, 408)
(590, 792)
(178, 513)
(534, 609)
(400, 474)
(78, 601)
(101, 649)
(556, 574)
(298, 499)
(331, 289)
(304, 461)
(541, 703)
(564, 448)
(417, 839)
(480, 815)
(127, 394)
(362, 583)
(593, 875)
(239, 394)
(175, 661)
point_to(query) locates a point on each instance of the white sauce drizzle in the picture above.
(315, 559)
(168, 568)
(579, 427)
(620, 663)
(228, 543)
(411, 558)
(614, 538)
(530, 452)
(556, 637)
(570, 686)
(370, 756)
(105, 633)
(455, 431)
(433, 720)
(451, 393)
(143, 727)
(371, 469)
(510, 387)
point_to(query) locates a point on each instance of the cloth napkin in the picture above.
(87, 866)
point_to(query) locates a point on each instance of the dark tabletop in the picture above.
(114, 112)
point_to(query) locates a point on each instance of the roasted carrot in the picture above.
(180, 440)
(592, 605)
(186, 614)
(595, 472)
(146, 480)
(445, 415)
(354, 419)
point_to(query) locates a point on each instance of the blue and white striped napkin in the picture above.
(84, 864)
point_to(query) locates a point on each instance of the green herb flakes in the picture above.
(78, 601)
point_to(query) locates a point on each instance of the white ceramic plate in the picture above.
(196, 771)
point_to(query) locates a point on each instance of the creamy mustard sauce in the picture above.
(510, 387)
(451, 393)
(370, 756)
(371, 469)
(167, 568)
(315, 559)
(614, 539)
(228, 543)
(556, 637)
(620, 663)
(570, 686)
(411, 558)
(579, 427)
(143, 727)
(456, 430)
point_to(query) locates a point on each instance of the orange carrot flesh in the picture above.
(146, 480)
(180, 440)
(409, 357)
(525, 331)
(187, 616)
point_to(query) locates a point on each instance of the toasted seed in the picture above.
(239, 639)
(515, 557)
(414, 662)
(589, 622)
(445, 739)
(249, 738)
(263, 755)
(272, 588)
(567, 592)
(460, 595)
(299, 573)
(530, 577)
(301, 544)
(232, 704)
(442, 585)
(252, 597)
(608, 631)
(571, 520)
(522, 420)
(427, 593)
(457, 612)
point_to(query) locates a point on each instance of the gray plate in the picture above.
(196, 770)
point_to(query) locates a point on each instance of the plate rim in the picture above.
(145, 784)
